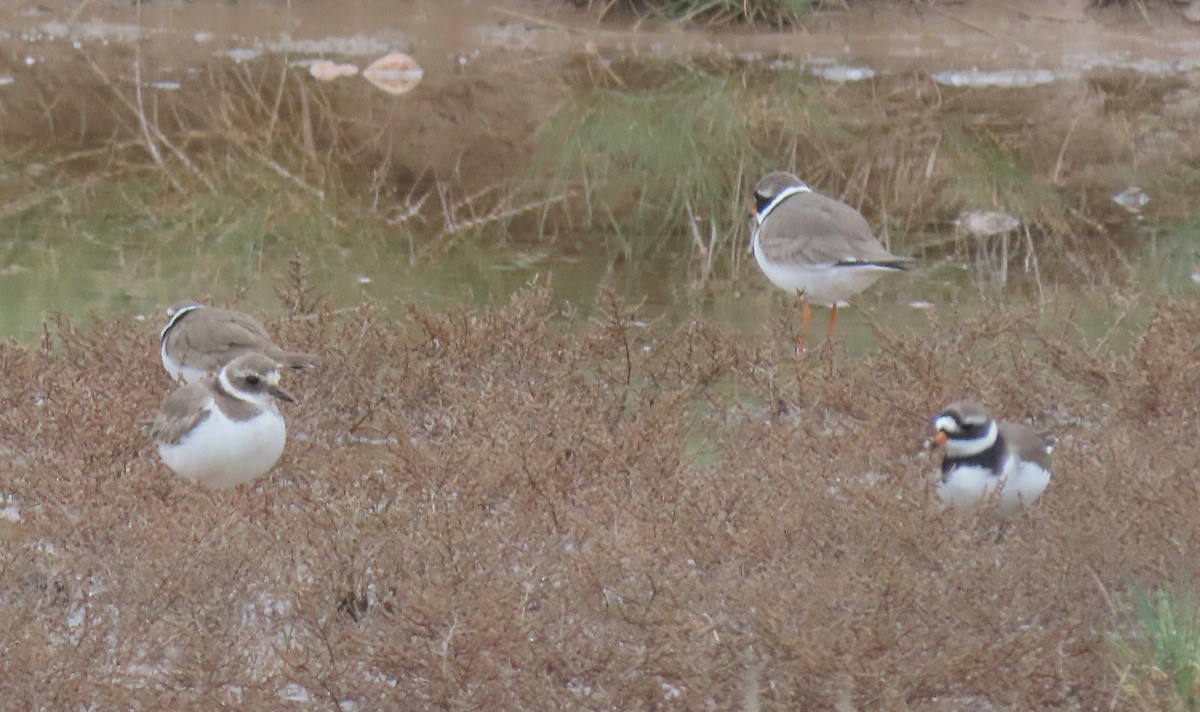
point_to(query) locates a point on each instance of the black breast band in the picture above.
(989, 458)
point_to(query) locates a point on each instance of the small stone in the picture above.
(1132, 199)
(395, 73)
(984, 223)
(327, 71)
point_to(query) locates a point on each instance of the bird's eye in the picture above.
(253, 380)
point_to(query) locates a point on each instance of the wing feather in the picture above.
(1026, 443)
(181, 411)
(213, 337)
(815, 229)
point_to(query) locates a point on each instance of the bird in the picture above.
(814, 246)
(198, 340)
(985, 458)
(225, 430)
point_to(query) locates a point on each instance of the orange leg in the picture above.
(805, 319)
(832, 322)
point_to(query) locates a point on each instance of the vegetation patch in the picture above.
(1159, 650)
(516, 507)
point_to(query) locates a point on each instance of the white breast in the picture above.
(221, 453)
(1019, 484)
(821, 284)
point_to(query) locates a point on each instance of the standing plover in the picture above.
(814, 246)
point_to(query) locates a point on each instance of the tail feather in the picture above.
(900, 264)
(294, 359)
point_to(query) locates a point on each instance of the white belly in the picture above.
(1017, 486)
(221, 453)
(822, 284)
(177, 370)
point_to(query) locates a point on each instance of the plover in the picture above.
(198, 340)
(225, 430)
(814, 246)
(984, 458)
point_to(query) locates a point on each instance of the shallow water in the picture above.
(255, 162)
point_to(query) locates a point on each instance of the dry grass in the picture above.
(517, 508)
(260, 151)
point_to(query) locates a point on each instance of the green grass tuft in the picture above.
(1162, 652)
(778, 12)
(640, 161)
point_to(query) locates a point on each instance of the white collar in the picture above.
(783, 195)
(176, 317)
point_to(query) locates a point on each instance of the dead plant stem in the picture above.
(1062, 152)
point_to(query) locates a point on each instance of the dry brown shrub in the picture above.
(524, 508)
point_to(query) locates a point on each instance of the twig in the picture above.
(410, 209)
(706, 250)
(306, 132)
(91, 152)
(37, 197)
(279, 102)
(140, 111)
(967, 23)
(1145, 15)
(510, 212)
(542, 22)
(1126, 310)
(1037, 273)
(932, 160)
(450, 208)
(273, 165)
(80, 8)
(149, 131)
(1062, 151)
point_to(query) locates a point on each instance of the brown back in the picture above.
(1025, 443)
(207, 338)
(816, 229)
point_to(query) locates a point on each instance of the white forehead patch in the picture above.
(946, 424)
(975, 420)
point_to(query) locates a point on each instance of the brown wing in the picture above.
(1026, 443)
(813, 228)
(208, 338)
(180, 412)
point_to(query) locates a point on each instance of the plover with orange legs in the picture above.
(815, 247)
